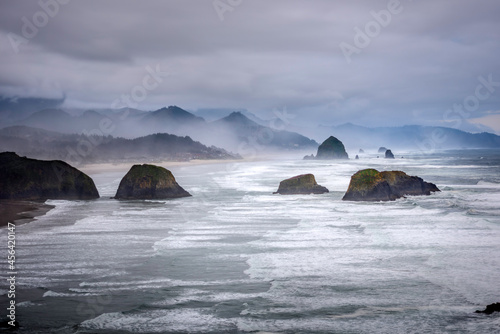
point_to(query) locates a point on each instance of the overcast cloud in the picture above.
(263, 55)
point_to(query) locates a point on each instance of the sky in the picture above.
(372, 63)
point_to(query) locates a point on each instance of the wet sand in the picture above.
(21, 212)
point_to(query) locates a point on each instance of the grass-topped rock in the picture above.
(149, 182)
(31, 179)
(372, 185)
(332, 148)
(300, 184)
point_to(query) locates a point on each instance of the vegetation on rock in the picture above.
(332, 148)
(372, 185)
(24, 178)
(300, 184)
(149, 182)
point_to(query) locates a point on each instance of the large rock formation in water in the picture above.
(389, 155)
(31, 179)
(149, 182)
(372, 185)
(495, 307)
(300, 184)
(332, 148)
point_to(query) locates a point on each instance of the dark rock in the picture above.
(31, 179)
(361, 151)
(495, 307)
(6, 324)
(149, 182)
(309, 157)
(300, 184)
(382, 149)
(372, 185)
(332, 148)
(357, 157)
(389, 155)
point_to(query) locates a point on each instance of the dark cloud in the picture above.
(264, 55)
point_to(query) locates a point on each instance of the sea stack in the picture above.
(495, 307)
(389, 155)
(32, 179)
(332, 148)
(149, 182)
(372, 185)
(300, 184)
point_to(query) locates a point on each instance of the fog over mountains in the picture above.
(172, 133)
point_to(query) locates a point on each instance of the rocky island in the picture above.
(372, 185)
(300, 184)
(149, 182)
(331, 148)
(495, 307)
(30, 179)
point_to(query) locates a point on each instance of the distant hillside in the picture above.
(247, 131)
(77, 148)
(232, 132)
(172, 120)
(413, 137)
(13, 109)
(211, 115)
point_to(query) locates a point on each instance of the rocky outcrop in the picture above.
(495, 307)
(300, 184)
(31, 179)
(382, 149)
(149, 182)
(372, 185)
(309, 157)
(389, 155)
(332, 148)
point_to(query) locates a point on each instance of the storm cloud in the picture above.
(373, 63)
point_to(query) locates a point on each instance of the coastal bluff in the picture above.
(31, 179)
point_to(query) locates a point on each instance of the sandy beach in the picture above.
(16, 211)
(125, 166)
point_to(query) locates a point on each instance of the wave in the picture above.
(51, 293)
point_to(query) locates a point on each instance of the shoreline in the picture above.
(21, 211)
(125, 166)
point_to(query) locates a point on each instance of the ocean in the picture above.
(235, 258)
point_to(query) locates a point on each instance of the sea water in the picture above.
(235, 258)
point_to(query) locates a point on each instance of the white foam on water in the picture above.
(175, 320)
(51, 293)
(319, 263)
(26, 304)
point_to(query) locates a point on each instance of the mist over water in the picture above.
(235, 258)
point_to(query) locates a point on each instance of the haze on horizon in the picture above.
(372, 63)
